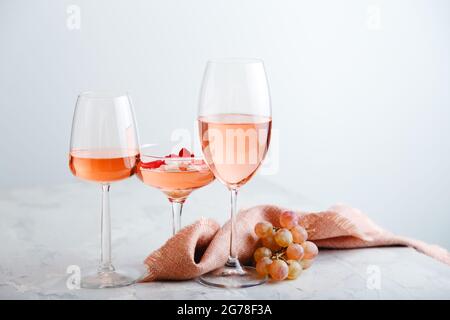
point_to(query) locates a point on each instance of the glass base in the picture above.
(232, 277)
(113, 278)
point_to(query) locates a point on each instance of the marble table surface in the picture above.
(46, 229)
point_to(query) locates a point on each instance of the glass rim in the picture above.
(142, 153)
(103, 95)
(235, 60)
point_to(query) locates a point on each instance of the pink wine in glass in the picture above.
(234, 145)
(176, 177)
(103, 166)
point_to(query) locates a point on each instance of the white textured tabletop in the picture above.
(44, 230)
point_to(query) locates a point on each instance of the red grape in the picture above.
(283, 237)
(262, 253)
(278, 270)
(269, 242)
(311, 250)
(295, 269)
(262, 267)
(295, 251)
(299, 234)
(263, 229)
(288, 219)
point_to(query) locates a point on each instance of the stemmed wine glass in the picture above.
(175, 172)
(235, 121)
(104, 148)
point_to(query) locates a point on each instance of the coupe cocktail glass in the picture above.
(175, 174)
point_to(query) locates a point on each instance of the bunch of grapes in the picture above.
(286, 251)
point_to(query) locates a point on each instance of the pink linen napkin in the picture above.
(204, 246)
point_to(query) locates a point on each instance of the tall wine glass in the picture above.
(104, 148)
(235, 121)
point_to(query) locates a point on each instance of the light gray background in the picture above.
(361, 105)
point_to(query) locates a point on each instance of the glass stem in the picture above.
(105, 255)
(233, 261)
(177, 208)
